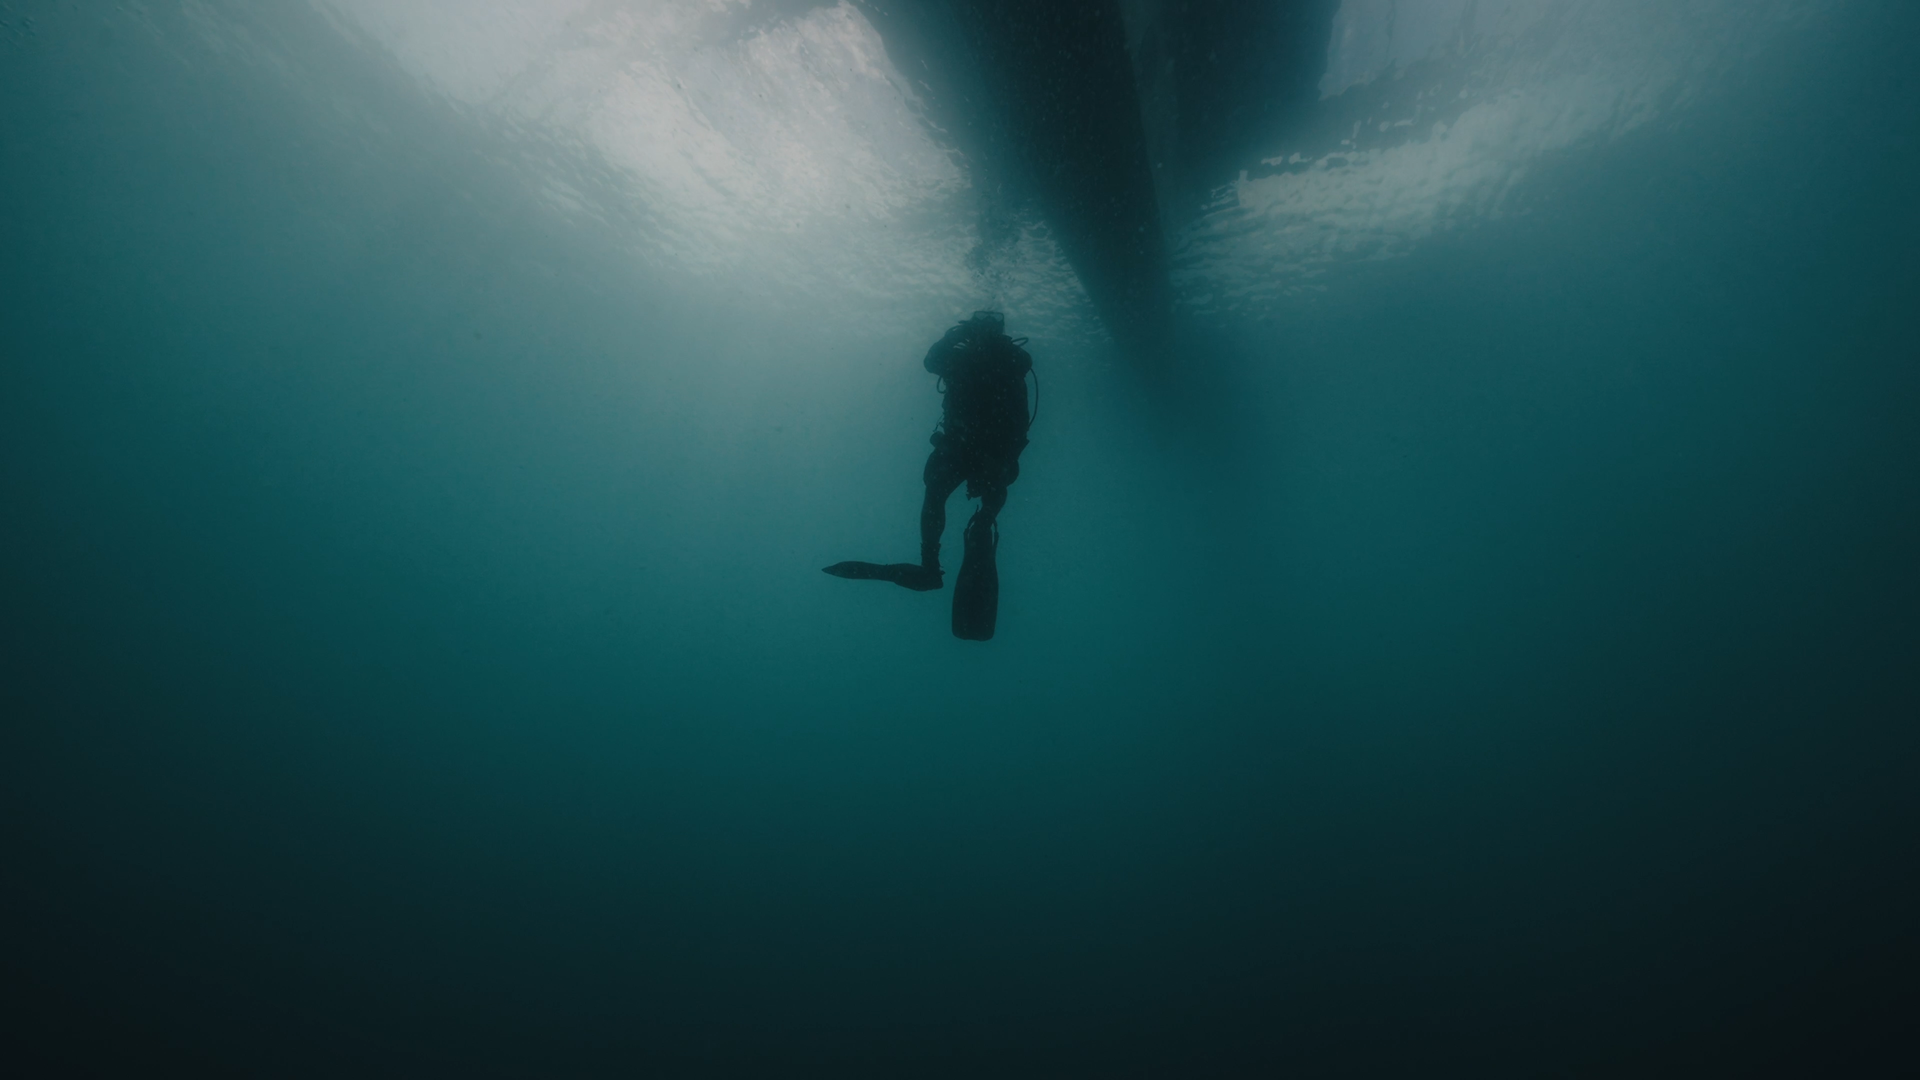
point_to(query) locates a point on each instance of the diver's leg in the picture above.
(991, 489)
(983, 530)
(976, 592)
(991, 500)
(942, 477)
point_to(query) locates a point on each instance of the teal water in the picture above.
(421, 427)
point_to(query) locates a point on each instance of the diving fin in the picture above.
(976, 592)
(904, 574)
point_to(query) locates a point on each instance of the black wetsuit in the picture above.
(984, 379)
(983, 374)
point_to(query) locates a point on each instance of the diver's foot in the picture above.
(906, 575)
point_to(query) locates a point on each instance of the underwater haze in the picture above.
(1488, 646)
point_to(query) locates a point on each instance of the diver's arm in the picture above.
(940, 358)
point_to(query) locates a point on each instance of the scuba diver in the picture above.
(983, 378)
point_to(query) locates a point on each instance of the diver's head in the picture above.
(987, 323)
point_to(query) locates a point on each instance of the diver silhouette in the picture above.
(984, 425)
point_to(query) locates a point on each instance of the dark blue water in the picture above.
(416, 459)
